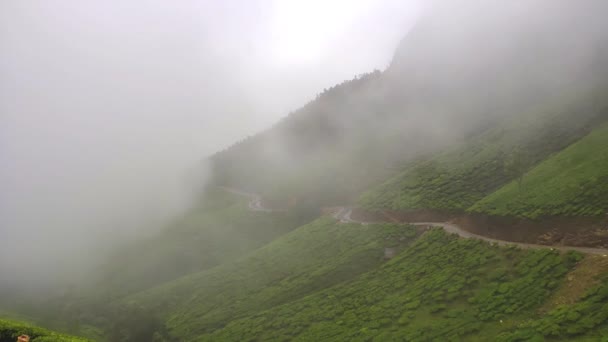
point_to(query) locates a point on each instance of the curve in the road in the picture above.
(344, 215)
(255, 200)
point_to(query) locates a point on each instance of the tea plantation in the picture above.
(442, 288)
(9, 330)
(311, 258)
(460, 177)
(573, 182)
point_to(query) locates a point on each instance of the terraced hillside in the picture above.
(522, 136)
(434, 94)
(220, 229)
(456, 179)
(574, 182)
(329, 281)
(313, 257)
(440, 288)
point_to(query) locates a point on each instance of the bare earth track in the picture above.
(344, 215)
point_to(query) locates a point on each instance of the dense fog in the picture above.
(463, 67)
(172, 170)
(107, 108)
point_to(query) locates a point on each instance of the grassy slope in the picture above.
(344, 141)
(313, 257)
(315, 153)
(586, 320)
(441, 288)
(572, 183)
(9, 330)
(221, 229)
(456, 179)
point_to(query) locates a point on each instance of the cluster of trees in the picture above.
(313, 153)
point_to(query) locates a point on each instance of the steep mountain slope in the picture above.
(533, 91)
(440, 288)
(467, 111)
(309, 259)
(456, 179)
(328, 281)
(435, 93)
(219, 229)
(573, 182)
(322, 153)
(10, 330)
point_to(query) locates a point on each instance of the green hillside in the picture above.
(441, 288)
(9, 330)
(321, 153)
(573, 182)
(328, 281)
(456, 179)
(218, 230)
(310, 259)
(435, 94)
(518, 130)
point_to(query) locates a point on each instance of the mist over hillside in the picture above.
(108, 110)
(344, 170)
(462, 68)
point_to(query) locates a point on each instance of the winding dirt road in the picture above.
(344, 215)
(255, 200)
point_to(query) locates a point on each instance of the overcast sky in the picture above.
(105, 104)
